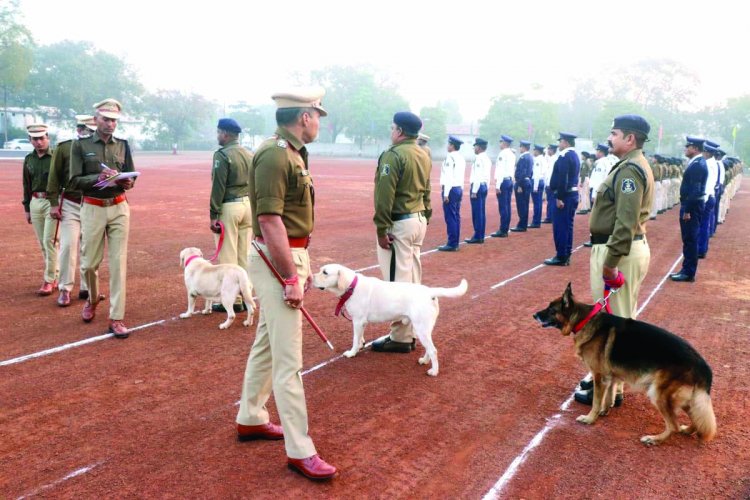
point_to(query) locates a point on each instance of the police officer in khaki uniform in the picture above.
(105, 213)
(618, 221)
(66, 208)
(230, 204)
(282, 198)
(422, 140)
(36, 205)
(402, 211)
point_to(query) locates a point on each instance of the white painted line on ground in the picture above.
(552, 422)
(75, 473)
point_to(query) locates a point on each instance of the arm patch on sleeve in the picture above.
(628, 186)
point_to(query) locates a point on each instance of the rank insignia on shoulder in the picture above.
(386, 170)
(628, 186)
(281, 143)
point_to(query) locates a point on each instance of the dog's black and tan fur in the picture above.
(664, 366)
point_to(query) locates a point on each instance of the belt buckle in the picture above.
(108, 202)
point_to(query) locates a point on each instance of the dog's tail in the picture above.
(702, 414)
(450, 292)
(246, 289)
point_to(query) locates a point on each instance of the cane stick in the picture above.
(301, 308)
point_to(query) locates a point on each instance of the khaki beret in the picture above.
(87, 121)
(109, 108)
(36, 129)
(301, 98)
(424, 137)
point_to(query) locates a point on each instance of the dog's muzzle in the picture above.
(545, 320)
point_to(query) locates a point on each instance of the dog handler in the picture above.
(618, 226)
(282, 199)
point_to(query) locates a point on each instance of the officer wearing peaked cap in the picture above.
(230, 202)
(504, 170)
(524, 171)
(564, 185)
(452, 188)
(537, 185)
(709, 150)
(66, 207)
(549, 157)
(719, 188)
(478, 181)
(281, 201)
(36, 168)
(692, 207)
(422, 140)
(402, 211)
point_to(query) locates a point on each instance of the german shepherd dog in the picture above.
(648, 358)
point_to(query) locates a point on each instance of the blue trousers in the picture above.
(452, 213)
(690, 230)
(538, 198)
(522, 202)
(478, 215)
(562, 225)
(503, 203)
(705, 232)
(550, 203)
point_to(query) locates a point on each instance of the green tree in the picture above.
(72, 76)
(174, 117)
(434, 121)
(521, 119)
(15, 54)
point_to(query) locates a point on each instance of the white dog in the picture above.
(215, 283)
(373, 300)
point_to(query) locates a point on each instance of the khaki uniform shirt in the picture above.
(35, 175)
(87, 155)
(59, 174)
(230, 176)
(623, 204)
(402, 184)
(280, 184)
(427, 150)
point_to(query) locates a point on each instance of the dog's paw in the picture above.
(350, 353)
(432, 372)
(185, 315)
(206, 311)
(687, 429)
(424, 360)
(248, 321)
(650, 440)
(585, 419)
(604, 412)
(224, 326)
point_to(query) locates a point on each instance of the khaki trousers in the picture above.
(44, 228)
(275, 361)
(633, 266)
(70, 237)
(402, 263)
(112, 223)
(585, 202)
(238, 223)
(658, 194)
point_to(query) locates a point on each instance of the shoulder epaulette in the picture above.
(637, 169)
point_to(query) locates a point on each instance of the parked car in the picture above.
(19, 144)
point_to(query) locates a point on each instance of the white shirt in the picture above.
(713, 176)
(601, 169)
(722, 173)
(550, 163)
(452, 172)
(505, 166)
(540, 171)
(480, 171)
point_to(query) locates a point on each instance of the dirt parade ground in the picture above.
(84, 415)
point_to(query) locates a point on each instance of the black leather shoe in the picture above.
(447, 248)
(682, 277)
(387, 345)
(218, 308)
(83, 294)
(238, 308)
(534, 226)
(588, 244)
(701, 255)
(587, 397)
(499, 234)
(557, 261)
(585, 385)
(518, 229)
(473, 241)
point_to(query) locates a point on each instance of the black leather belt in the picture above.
(230, 200)
(395, 217)
(600, 239)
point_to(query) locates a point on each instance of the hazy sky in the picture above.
(465, 51)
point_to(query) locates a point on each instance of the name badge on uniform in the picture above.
(281, 143)
(628, 186)
(90, 154)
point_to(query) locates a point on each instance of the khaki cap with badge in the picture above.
(423, 137)
(109, 108)
(301, 98)
(37, 129)
(86, 121)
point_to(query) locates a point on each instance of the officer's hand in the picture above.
(215, 227)
(28, 217)
(519, 190)
(560, 204)
(56, 213)
(613, 282)
(293, 295)
(125, 183)
(106, 174)
(446, 200)
(385, 241)
(473, 195)
(686, 216)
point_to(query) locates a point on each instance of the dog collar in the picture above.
(348, 293)
(602, 303)
(189, 259)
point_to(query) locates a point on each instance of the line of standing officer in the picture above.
(478, 181)
(523, 174)
(504, 169)
(452, 189)
(564, 185)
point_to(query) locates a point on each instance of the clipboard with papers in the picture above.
(112, 179)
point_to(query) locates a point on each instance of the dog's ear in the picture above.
(344, 278)
(567, 298)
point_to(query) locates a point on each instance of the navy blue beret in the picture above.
(408, 122)
(229, 125)
(604, 148)
(553, 147)
(506, 138)
(585, 154)
(455, 141)
(539, 147)
(526, 144)
(480, 142)
(631, 122)
(567, 137)
(694, 141)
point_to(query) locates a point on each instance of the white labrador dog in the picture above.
(373, 301)
(215, 283)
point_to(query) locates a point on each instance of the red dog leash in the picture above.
(219, 245)
(344, 297)
(602, 303)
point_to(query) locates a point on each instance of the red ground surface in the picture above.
(153, 416)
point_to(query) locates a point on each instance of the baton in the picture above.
(283, 285)
(57, 226)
